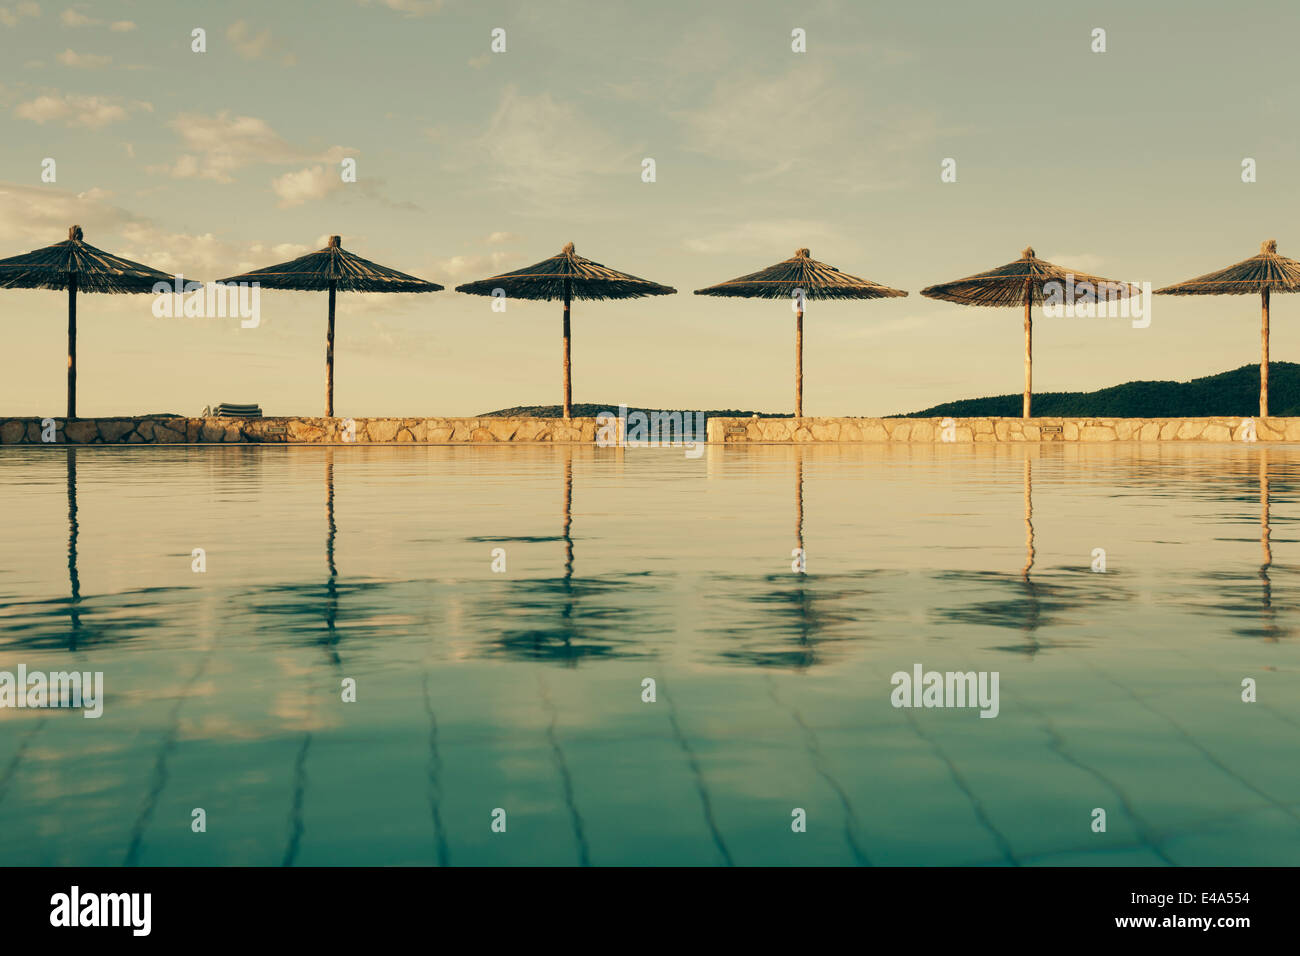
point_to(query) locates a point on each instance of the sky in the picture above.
(1125, 163)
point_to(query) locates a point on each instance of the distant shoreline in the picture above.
(1227, 394)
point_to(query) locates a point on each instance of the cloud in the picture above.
(233, 140)
(298, 187)
(257, 46)
(35, 216)
(75, 18)
(412, 8)
(71, 109)
(497, 238)
(699, 54)
(258, 254)
(1085, 262)
(781, 236)
(10, 16)
(546, 150)
(122, 26)
(765, 122)
(83, 61)
(468, 267)
(217, 146)
(795, 123)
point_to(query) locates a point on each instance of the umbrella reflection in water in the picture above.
(800, 620)
(74, 579)
(567, 619)
(1028, 605)
(1268, 613)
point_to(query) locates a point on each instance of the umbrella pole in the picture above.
(329, 359)
(1263, 364)
(1029, 349)
(798, 363)
(568, 384)
(72, 347)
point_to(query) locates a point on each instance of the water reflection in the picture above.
(75, 623)
(570, 619)
(1260, 613)
(790, 602)
(1028, 605)
(74, 579)
(329, 642)
(568, 524)
(947, 553)
(1032, 620)
(1247, 492)
(798, 500)
(802, 613)
(311, 612)
(1266, 545)
(331, 638)
(1029, 518)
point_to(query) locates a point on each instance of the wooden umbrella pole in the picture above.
(1263, 364)
(798, 363)
(329, 358)
(1029, 347)
(568, 384)
(72, 346)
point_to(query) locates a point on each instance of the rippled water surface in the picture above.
(522, 690)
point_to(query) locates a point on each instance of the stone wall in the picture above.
(967, 430)
(159, 430)
(115, 431)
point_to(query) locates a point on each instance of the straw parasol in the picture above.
(1265, 273)
(333, 269)
(567, 276)
(1022, 283)
(77, 266)
(801, 277)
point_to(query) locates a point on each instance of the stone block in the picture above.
(82, 432)
(115, 429)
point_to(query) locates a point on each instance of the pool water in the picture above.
(498, 611)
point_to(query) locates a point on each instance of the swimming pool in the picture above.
(497, 612)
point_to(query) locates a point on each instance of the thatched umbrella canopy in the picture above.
(567, 276)
(77, 266)
(1023, 283)
(1265, 273)
(801, 277)
(333, 269)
